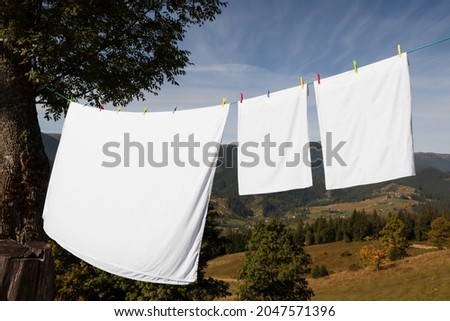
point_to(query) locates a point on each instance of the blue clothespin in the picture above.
(268, 92)
(174, 110)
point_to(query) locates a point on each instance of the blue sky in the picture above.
(260, 44)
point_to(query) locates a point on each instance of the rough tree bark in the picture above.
(24, 172)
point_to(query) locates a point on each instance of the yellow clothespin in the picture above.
(145, 110)
(119, 109)
(355, 66)
(302, 83)
(224, 101)
(399, 50)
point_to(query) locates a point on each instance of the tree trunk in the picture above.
(26, 271)
(24, 167)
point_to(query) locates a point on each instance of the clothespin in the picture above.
(119, 109)
(101, 107)
(145, 110)
(174, 110)
(268, 92)
(241, 97)
(355, 66)
(399, 51)
(302, 83)
(318, 78)
(224, 101)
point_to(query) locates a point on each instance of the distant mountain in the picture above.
(437, 161)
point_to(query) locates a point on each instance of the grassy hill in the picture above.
(422, 276)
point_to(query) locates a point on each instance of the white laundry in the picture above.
(274, 143)
(371, 112)
(107, 205)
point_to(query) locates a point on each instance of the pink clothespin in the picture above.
(318, 78)
(101, 107)
(241, 97)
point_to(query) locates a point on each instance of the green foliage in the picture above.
(101, 51)
(393, 238)
(77, 280)
(319, 271)
(360, 225)
(439, 234)
(236, 240)
(274, 267)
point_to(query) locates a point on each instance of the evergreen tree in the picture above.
(359, 225)
(274, 268)
(376, 223)
(439, 235)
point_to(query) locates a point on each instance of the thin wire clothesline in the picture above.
(408, 52)
(431, 44)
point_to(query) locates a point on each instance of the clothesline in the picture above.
(431, 44)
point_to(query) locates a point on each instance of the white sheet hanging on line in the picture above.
(107, 205)
(371, 112)
(274, 143)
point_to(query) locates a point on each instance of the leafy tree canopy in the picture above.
(439, 235)
(101, 50)
(393, 238)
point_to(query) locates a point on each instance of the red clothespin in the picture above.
(241, 97)
(101, 107)
(318, 78)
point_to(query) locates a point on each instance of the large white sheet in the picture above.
(371, 112)
(280, 161)
(135, 220)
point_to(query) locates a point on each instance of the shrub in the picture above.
(319, 271)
